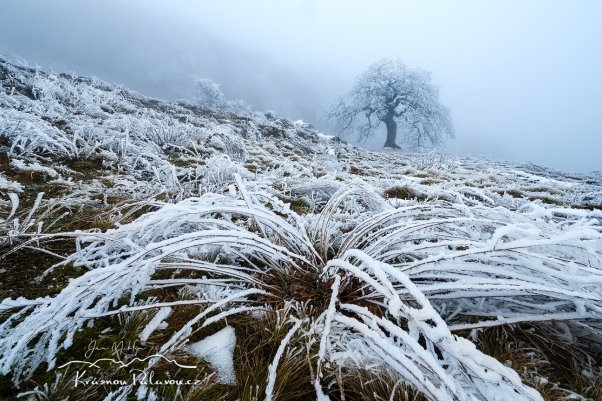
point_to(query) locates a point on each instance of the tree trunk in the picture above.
(389, 121)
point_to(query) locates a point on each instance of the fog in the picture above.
(522, 79)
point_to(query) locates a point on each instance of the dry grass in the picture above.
(292, 272)
(360, 383)
(61, 389)
(532, 353)
(546, 359)
(260, 339)
(403, 192)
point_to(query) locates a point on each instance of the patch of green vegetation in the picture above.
(91, 167)
(430, 182)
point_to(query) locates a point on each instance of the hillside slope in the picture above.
(129, 219)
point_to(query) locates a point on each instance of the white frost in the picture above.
(34, 167)
(7, 185)
(218, 350)
(155, 323)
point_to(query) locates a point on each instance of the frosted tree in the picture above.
(210, 96)
(391, 93)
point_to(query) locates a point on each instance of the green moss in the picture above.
(90, 167)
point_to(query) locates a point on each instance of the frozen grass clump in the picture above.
(389, 293)
(336, 272)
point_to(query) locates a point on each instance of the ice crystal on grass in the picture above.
(218, 349)
(480, 263)
(364, 265)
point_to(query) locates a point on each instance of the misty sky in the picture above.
(523, 78)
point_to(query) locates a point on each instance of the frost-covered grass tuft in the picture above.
(401, 276)
(342, 273)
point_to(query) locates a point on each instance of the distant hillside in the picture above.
(130, 219)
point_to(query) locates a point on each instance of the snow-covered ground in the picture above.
(368, 260)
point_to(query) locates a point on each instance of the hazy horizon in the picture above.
(520, 78)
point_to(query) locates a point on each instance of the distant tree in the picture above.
(210, 96)
(394, 94)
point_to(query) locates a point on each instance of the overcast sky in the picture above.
(523, 78)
